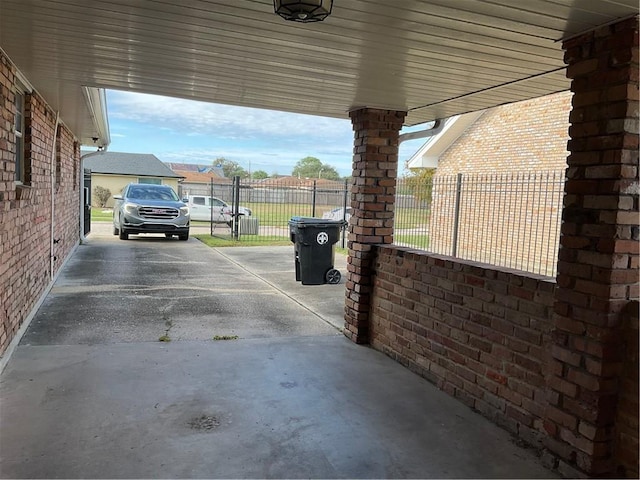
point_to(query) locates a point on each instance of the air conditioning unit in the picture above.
(248, 226)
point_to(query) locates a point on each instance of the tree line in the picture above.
(308, 167)
(418, 183)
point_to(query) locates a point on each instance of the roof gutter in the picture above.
(96, 99)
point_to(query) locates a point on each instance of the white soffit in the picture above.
(429, 154)
(432, 58)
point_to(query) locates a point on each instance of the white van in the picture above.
(205, 208)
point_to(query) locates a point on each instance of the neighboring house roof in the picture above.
(138, 164)
(197, 168)
(429, 153)
(201, 177)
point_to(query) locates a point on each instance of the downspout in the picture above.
(97, 104)
(81, 189)
(53, 180)
(437, 127)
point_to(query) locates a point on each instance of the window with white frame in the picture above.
(18, 129)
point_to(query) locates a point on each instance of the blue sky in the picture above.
(185, 131)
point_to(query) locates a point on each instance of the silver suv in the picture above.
(146, 208)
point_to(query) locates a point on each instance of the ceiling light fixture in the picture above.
(304, 11)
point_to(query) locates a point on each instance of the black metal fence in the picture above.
(273, 202)
(511, 220)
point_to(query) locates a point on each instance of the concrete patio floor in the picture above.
(91, 392)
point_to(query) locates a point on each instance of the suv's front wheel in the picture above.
(183, 236)
(123, 235)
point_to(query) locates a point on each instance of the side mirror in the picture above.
(185, 200)
(117, 197)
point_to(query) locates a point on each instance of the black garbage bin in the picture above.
(313, 240)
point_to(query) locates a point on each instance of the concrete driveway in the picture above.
(91, 392)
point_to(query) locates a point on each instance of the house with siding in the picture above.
(114, 170)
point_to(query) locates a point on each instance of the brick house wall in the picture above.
(525, 136)
(25, 211)
(511, 159)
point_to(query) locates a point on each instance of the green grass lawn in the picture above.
(245, 240)
(101, 214)
(413, 240)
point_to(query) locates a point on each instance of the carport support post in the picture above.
(592, 377)
(373, 190)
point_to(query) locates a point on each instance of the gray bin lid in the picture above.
(302, 222)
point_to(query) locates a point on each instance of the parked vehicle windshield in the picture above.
(144, 193)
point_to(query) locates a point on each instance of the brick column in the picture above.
(598, 258)
(373, 189)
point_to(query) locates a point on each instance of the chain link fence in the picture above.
(510, 220)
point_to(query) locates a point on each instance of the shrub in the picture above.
(102, 195)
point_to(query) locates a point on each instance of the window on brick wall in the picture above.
(18, 130)
(76, 147)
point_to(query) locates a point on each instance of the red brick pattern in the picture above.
(598, 258)
(25, 211)
(531, 135)
(375, 168)
(525, 138)
(626, 445)
(480, 334)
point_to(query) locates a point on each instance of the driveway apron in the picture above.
(157, 358)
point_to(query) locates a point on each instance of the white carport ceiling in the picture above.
(433, 58)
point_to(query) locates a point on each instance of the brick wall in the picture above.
(598, 258)
(67, 195)
(525, 136)
(25, 211)
(480, 334)
(373, 190)
(626, 444)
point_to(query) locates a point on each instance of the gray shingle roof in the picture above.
(117, 163)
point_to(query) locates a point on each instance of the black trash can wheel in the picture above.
(332, 276)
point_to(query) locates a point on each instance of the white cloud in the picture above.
(257, 139)
(225, 121)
